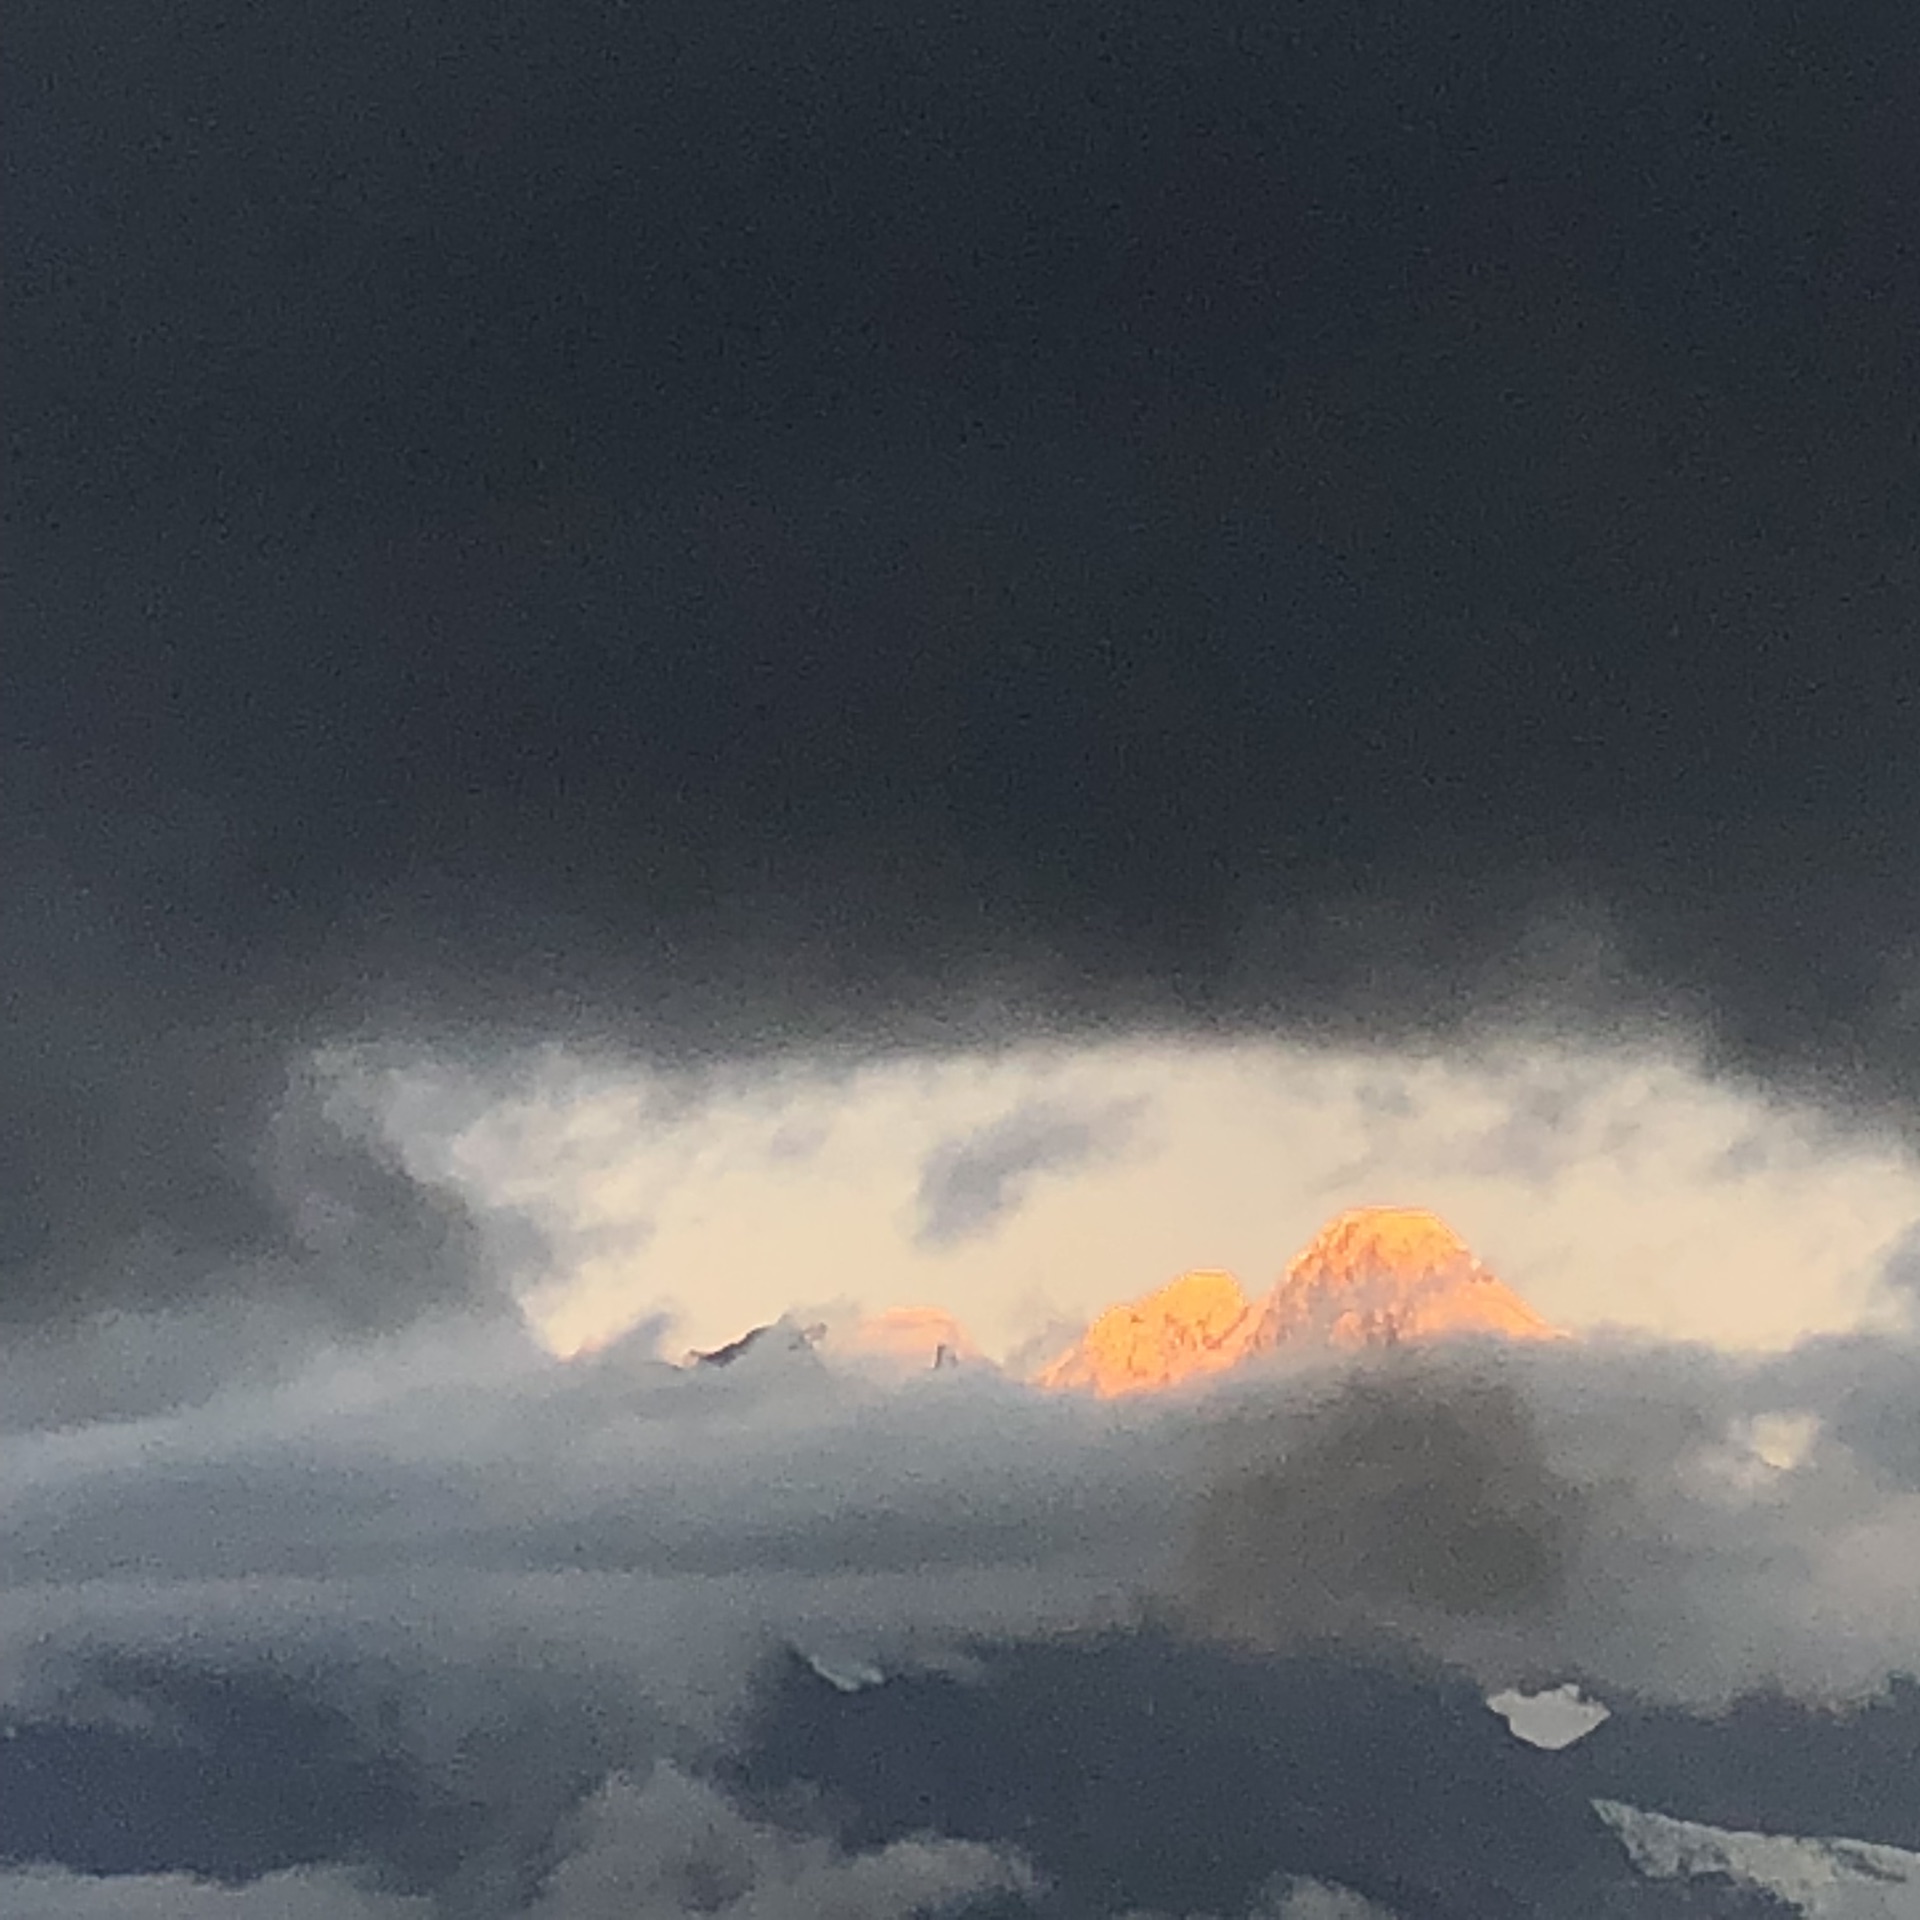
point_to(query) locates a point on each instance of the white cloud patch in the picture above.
(1317, 1900)
(1294, 1897)
(53, 1894)
(668, 1846)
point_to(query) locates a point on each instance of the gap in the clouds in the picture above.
(1022, 1190)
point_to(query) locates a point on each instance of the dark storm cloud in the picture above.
(1389, 1775)
(734, 526)
(968, 1185)
(247, 1776)
(228, 1776)
(1433, 1490)
(162, 1140)
(718, 528)
(1128, 1768)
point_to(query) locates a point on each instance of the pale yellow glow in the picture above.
(1606, 1186)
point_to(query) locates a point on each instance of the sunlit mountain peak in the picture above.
(1373, 1276)
(1197, 1324)
(1376, 1275)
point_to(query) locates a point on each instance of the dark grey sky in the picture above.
(707, 526)
(725, 522)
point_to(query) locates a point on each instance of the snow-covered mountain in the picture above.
(1823, 1879)
(1373, 1276)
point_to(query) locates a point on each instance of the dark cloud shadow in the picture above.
(1401, 1487)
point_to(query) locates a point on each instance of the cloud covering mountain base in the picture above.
(455, 1615)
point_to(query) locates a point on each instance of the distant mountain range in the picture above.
(1372, 1277)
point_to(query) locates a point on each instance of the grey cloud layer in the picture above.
(509, 1579)
(1602, 1508)
(54, 1894)
(1399, 1489)
(659, 1848)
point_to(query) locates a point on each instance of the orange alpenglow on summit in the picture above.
(1194, 1325)
(1375, 1276)
(1382, 1274)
